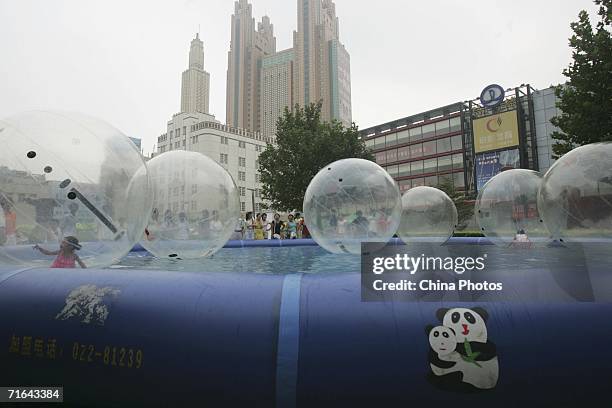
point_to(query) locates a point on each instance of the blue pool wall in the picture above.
(233, 339)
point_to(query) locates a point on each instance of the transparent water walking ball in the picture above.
(195, 206)
(576, 195)
(507, 210)
(428, 215)
(68, 175)
(349, 202)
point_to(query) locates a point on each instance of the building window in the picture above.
(242, 206)
(415, 134)
(455, 124)
(379, 142)
(430, 166)
(403, 170)
(445, 163)
(241, 176)
(257, 177)
(416, 150)
(392, 170)
(242, 191)
(224, 140)
(429, 130)
(442, 127)
(194, 206)
(416, 167)
(457, 161)
(257, 193)
(194, 189)
(242, 161)
(429, 148)
(242, 145)
(184, 130)
(223, 159)
(443, 145)
(403, 137)
(457, 142)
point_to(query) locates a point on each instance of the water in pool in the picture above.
(314, 259)
(277, 260)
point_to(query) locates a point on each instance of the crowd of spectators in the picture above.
(260, 227)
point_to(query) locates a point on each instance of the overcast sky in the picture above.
(121, 60)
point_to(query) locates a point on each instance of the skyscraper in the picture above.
(195, 87)
(276, 89)
(322, 64)
(248, 47)
(262, 82)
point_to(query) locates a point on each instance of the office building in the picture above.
(249, 45)
(466, 142)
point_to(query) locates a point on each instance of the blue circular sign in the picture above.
(492, 96)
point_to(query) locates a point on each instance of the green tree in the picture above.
(586, 98)
(304, 145)
(465, 210)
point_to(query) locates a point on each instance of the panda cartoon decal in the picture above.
(461, 357)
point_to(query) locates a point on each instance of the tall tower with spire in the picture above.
(249, 45)
(195, 87)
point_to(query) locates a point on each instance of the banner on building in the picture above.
(496, 132)
(488, 165)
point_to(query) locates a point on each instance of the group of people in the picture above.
(260, 228)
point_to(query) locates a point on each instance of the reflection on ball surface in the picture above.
(576, 195)
(352, 201)
(195, 206)
(428, 215)
(507, 209)
(68, 175)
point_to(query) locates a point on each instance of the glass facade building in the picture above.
(421, 150)
(439, 145)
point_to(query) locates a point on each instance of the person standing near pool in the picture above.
(291, 227)
(267, 226)
(277, 227)
(66, 255)
(10, 221)
(258, 228)
(248, 228)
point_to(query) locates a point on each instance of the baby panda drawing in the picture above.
(461, 357)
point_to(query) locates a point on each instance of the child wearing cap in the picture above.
(66, 255)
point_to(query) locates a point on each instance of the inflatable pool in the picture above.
(126, 338)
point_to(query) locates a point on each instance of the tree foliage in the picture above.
(586, 98)
(304, 145)
(465, 209)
